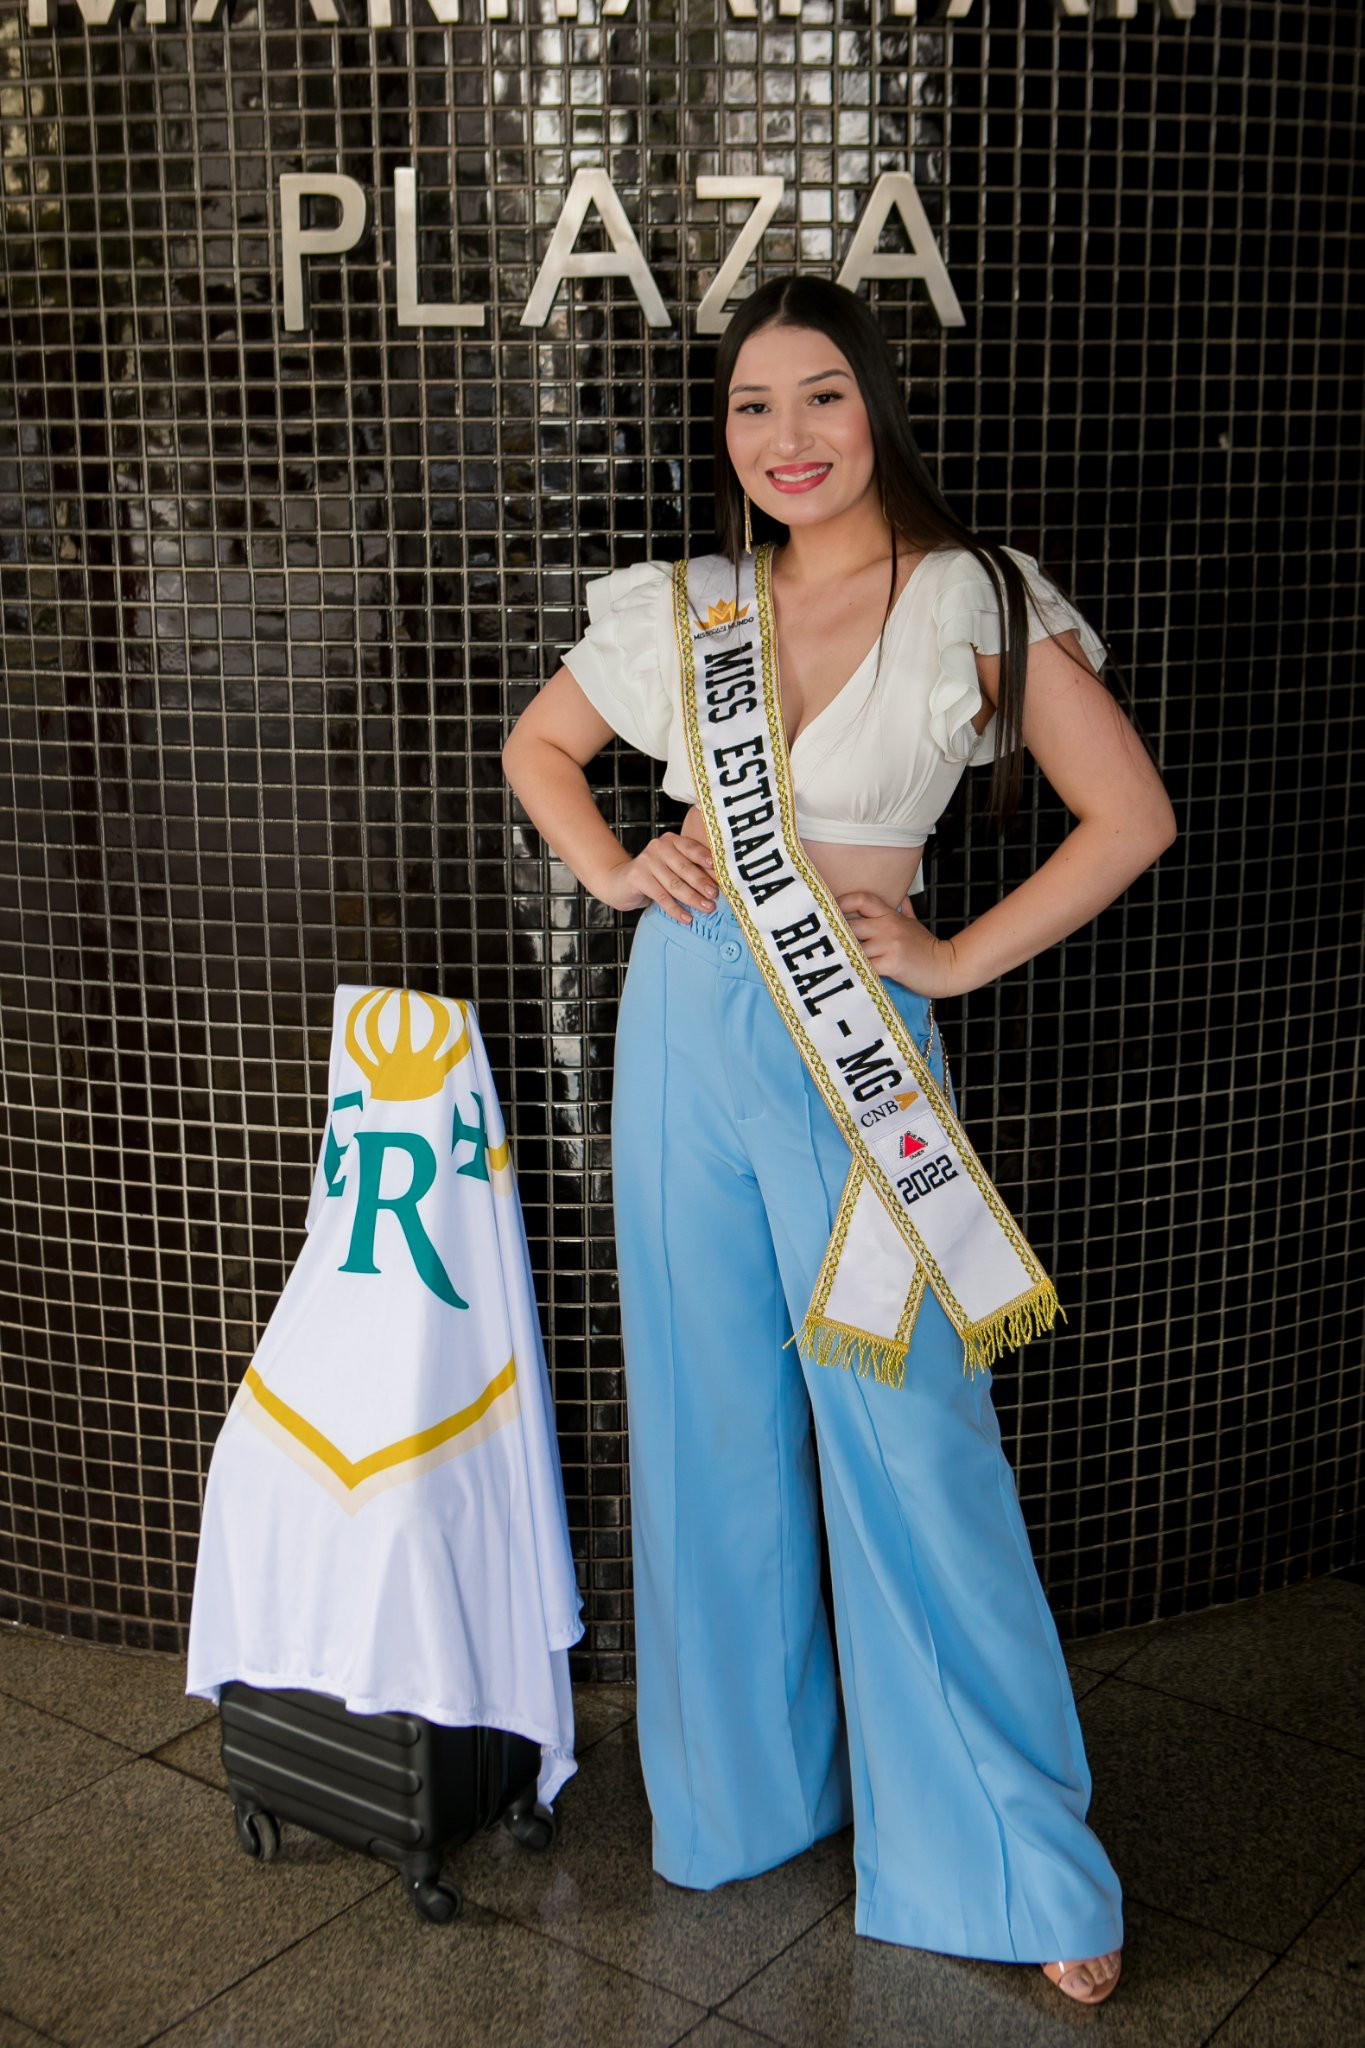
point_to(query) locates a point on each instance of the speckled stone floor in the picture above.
(1228, 1752)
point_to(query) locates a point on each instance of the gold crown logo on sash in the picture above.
(719, 615)
(918, 1208)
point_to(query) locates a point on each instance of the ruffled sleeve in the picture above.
(617, 663)
(967, 622)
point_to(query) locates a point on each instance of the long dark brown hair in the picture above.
(913, 504)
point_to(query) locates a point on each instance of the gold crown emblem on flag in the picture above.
(405, 1072)
(723, 614)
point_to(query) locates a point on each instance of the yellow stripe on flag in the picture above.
(353, 1474)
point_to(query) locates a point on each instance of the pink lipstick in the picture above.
(800, 477)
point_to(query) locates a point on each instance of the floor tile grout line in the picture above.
(1077, 1655)
(1228, 1714)
(621, 1969)
(147, 1756)
(182, 1771)
(1074, 1650)
(18, 1700)
(740, 2027)
(163, 1742)
(97, 1734)
(386, 1877)
(23, 1632)
(605, 1732)
(638, 1976)
(1109, 1670)
(37, 2032)
(1238, 2003)
(786, 1949)
(1313, 1969)
(573, 1948)
(1349, 1878)
(88, 1785)
(1264, 1948)
(525, 1927)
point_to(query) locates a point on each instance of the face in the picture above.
(797, 428)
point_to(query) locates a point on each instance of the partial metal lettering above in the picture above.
(398, 13)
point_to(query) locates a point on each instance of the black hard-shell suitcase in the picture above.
(394, 1785)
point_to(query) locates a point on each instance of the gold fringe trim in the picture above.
(1010, 1328)
(829, 1343)
(826, 1342)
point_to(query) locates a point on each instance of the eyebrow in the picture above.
(821, 377)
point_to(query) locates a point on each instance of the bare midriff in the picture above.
(887, 871)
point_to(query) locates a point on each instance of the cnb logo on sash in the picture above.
(397, 1301)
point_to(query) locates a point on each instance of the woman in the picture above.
(950, 1735)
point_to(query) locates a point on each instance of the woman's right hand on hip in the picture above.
(674, 870)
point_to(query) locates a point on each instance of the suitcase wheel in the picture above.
(259, 1833)
(535, 1827)
(435, 1899)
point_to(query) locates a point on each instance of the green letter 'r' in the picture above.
(360, 1258)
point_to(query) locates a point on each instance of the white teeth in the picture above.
(799, 476)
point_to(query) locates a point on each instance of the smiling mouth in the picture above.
(804, 477)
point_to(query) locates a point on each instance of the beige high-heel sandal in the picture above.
(1082, 1981)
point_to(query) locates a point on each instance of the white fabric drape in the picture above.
(384, 1519)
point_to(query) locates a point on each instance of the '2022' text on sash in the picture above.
(918, 1207)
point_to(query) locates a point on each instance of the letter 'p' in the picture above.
(297, 241)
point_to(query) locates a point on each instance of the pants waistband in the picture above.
(716, 935)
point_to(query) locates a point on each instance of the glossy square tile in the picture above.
(1111, 1650)
(1240, 1828)
(833, 1985)
(1334, 1940)
(46, 1759)
(1293, 1660)
(598, 1709)
(1295, 2007)
(1083, 1681)
(714, 2032)
(196, 1753)
(138, 1701)
(481, 1981)
(596, 1891)
(131, 1903)
(13, 2034)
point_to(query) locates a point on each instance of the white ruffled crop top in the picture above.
(878, 765)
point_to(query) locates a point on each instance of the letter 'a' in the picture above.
(624, 259)
(895, 192)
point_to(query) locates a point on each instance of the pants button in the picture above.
(730, 950)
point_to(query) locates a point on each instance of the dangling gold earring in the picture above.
(748, 526)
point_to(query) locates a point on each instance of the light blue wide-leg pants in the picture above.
(948, 1732)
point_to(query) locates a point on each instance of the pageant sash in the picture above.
(918, 1207)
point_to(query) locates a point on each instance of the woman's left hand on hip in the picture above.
(898, 946)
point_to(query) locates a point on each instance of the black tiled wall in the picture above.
(271, 599)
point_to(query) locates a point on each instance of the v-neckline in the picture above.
(794, 742)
